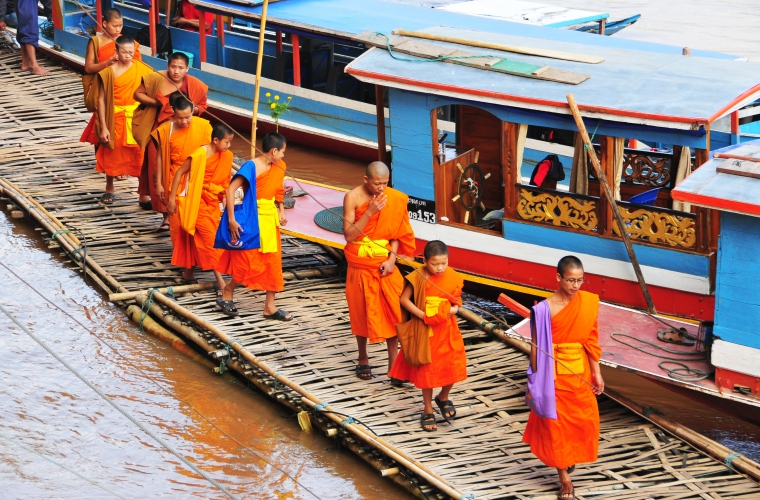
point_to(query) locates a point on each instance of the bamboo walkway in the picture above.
(479, 454)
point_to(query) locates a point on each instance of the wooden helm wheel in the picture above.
(471, 186)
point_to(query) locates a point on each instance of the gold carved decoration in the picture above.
(649, 170)
(658, 227)
(557, 209)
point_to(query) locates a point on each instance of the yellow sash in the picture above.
(432, 304)
(269, 221)
(569, 358)
(189, 200)
(372, 248)
(129, 112)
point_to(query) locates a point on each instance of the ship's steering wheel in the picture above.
(471, 186)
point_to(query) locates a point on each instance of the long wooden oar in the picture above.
(608, 193)
(259, 63)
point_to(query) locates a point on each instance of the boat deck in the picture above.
(312, 359)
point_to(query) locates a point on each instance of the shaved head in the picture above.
(568, 262)
(377, 169)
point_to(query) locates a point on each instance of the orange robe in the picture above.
(449, 361)
(252, 268)
(198, 249)
(147, 119)
(103, 53)
(121, 156)
(373, 301)
(574, 437)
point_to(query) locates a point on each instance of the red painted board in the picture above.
(514, 306)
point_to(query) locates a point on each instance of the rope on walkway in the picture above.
(121, 410)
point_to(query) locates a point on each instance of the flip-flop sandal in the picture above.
(446, 407)
(427, 420)
(107, 198)
(121, 177)
(146, 205)
(228, 308)
(364, 372)
(163, 227)
(571, 469)
(397, 382)
(561, 496)
(219, 295)
(189, 281)
(280, 315)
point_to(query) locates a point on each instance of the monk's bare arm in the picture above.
(387, 267)
(141, 96)
(159, 170)
(235, 228)
(171, 205)
(90, 66)
(353, 229)
(105, 134)
(406, 302)
(596, 375)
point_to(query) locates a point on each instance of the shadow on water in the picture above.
(47, 409)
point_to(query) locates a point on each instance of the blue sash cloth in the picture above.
(247, 215)
(540, 397)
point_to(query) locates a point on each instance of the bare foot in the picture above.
(566, 490)
(38, 70)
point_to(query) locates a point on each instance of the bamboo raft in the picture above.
(308, 364)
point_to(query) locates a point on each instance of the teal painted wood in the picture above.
(737, 294)
(411, 138)
(661, 258)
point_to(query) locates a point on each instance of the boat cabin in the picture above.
(729, 184)
(466, 139)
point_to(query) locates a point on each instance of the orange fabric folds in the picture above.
(574, 437)
(251, 268)
(373, 301)
(413, 333)
(121, 156)
(199, 212)
(448, 359)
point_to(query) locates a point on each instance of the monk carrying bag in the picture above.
(413, 334)
(246, 214)
(90, 82)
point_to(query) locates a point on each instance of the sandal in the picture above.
(563, 495)
(107, 198)
(571, 469)
(397, 382)
(428, 420)
(364, 372)
(446, 407)
(280, 315)
(163, 227)
(219, 295)
(228, 308)
(146, 205)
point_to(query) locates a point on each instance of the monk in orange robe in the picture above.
(155, 109)
(175, 141)
(259, 269)
(448, 361)
(101, 54)
(377, 230)
(208, 170)
(118, 154)
(573, 437)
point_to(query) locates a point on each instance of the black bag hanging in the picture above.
(163, 40)
(556, 170)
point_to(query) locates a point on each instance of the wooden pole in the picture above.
(380, 110)
(296, 44)
(151, 27)
(278, 44)
(611, 199)
(168, 17)
(98, 15)
(531, 51)
(202, 36)
(257, 82)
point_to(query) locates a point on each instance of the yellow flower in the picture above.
(290, 98)
(268, 94)
(273, 105)
(276, 98)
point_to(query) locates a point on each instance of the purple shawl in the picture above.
(540, 394)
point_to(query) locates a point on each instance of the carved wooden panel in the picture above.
(659, 227)
(645, 169)
(557, 209)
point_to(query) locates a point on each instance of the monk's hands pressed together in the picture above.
(105, 136)
(377, 204)
(235, 230)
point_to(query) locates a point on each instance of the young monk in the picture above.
(376, 227)
(155, 109)
(563, 426)
(174, 141)
(259, 269)
(118, 154)
(101, 54)
(203, 177)
(437, 308)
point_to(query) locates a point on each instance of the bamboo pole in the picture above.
(260, 60)
(611, 199)
(517, 49)
(312, 401)
(695, 439)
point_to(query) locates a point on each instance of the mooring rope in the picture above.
(160, 386)
(116, 406)
(62, 466)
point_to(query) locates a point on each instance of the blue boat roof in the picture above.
(344, 18)
(656, 89)
(723, 191)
